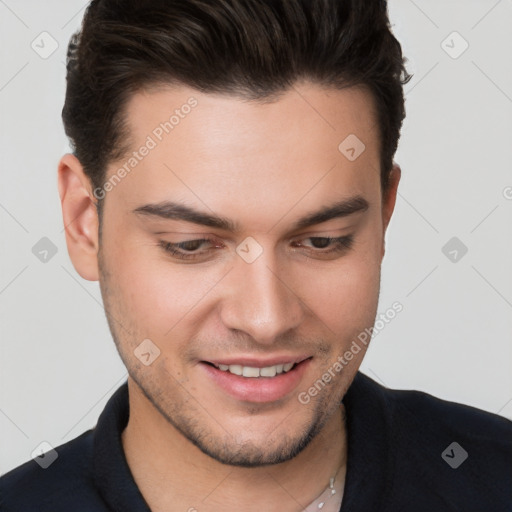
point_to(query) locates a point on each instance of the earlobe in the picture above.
(389, 200)
(79, 216)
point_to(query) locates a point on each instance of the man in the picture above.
(231, 185)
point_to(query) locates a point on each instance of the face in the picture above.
(244, 241)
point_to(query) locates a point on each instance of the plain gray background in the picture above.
(453, 338)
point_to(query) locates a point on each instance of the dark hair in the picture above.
(254, 49)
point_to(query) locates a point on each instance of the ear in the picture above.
(389, 200)
(80, 217)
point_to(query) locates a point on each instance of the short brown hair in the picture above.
(254, 49)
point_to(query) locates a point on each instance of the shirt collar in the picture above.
(112, 474)
(369, 461)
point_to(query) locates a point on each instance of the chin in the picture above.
(251, 455)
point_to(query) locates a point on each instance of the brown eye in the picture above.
(191, 245)
(189, 249)
(320, 242)
(324, 242)
(325, 247)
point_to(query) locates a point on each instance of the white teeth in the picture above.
(250, 371)
(269, 371)
(237, 369)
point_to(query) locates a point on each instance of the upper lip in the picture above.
(259, 362)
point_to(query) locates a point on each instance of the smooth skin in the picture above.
(262, 166)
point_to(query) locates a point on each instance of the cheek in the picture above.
(161, 294)
(152, 293)
(345, 296)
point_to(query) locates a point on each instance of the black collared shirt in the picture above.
(402, 457)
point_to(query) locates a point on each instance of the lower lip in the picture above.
(257, 389)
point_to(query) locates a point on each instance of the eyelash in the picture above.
(341, 244)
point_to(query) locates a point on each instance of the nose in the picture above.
(259, 300)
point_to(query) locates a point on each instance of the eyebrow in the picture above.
(175, 211)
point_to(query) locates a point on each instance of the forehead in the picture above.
(306, 109)
(220, 149)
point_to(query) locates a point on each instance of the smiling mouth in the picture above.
(255, 372)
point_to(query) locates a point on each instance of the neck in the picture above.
(174, 475)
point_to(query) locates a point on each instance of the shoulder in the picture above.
(67, 481)
(461, 453)
(448, 418)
